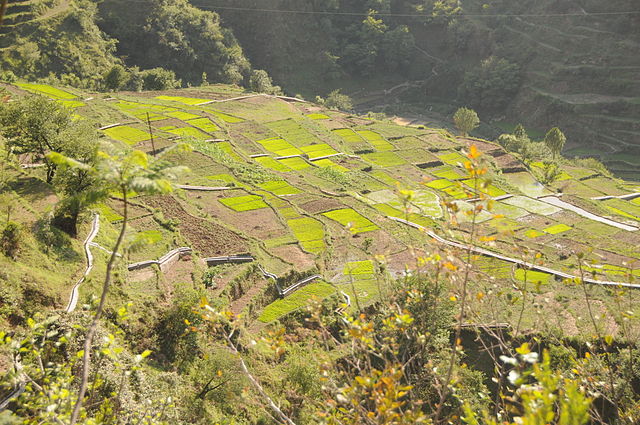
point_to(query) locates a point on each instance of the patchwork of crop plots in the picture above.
(349, 218)
(283, 167)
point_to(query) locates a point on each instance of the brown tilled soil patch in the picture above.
(206, 237)
(261, 224)
(293, 254)
(322, 205)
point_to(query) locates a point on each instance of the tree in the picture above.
(10, 239)
(466, 120)
(555, 140)
(159, 79)
(260, 82)
(491, 86)
(116, 78)
(337, 100)
(120, 173)
(36, 125)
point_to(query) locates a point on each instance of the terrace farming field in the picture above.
(318, 192)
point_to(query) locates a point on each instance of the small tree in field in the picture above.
(466, 120)
(555, 140)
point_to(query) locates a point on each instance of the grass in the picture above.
(384, 159)
(557, 228)
(309, 232)
(351, 219)
(126, 134)
(280, 188)
(46, 90)
(297, 300)
(244, 203)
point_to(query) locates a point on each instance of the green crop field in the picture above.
(532, 276)
(126, 134)
(452, 158)
(323, 163)
(280, 188)
(294, 163)
(204, 124)
(318, 150)
(267, 161)
(318, 116)
(384, 159)
(298, 299)
(557, 228)
(355, 268)
(348, 135)
(309, 232)
(376, 140)
(244, 203)
(351, 219)
(230, 119)
(46, 90)
(189, 132)
(181, 115)
(280, 147)
(184, 100)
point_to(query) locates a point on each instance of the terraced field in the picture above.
(308, 190)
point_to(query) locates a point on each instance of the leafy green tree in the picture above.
(466, 120)
(123, 174)
(10, 239)
(491, 86)
(159, 79)
(555, 140)
(260, 82)
(116, 78)
(337, 100)
(36, 125)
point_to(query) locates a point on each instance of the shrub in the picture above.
(337, 100)
(10, 239)
(466, 120)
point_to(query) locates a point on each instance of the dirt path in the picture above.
(73, 299)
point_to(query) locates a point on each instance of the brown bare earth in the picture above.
(321, 205)
(206, 237)
(294, 255)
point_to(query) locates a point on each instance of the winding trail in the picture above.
(522, 263)
(73, 299)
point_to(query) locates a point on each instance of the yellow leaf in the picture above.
(523, 349)
(473, 152)
(608, 339)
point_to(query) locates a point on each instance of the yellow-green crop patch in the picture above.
(318, 150)
(46, 90)
(297, 300)
(636, 201)
(71, 104)
(490, 189)
(560, 177)
(533, 233)
(447, 172)
(323, 163)
(295, 163)
(355, 268)
(108, 213)
(181, 115)
(189, 132)
(184, 100)
(384, 159)
(384, 177)
(376, 140)
(126, 134)
(452, 158)
(390, 211)
(280, 188)
(351, 219)
(557, 228)
(348, 135)
(532, 276)
(292, 131)
(309, 232)
(267, 161)
(280, 147)
(204, 124)
(224, 117)
(244, 203)
(439, 184)
(228, 180)
(318, 116)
